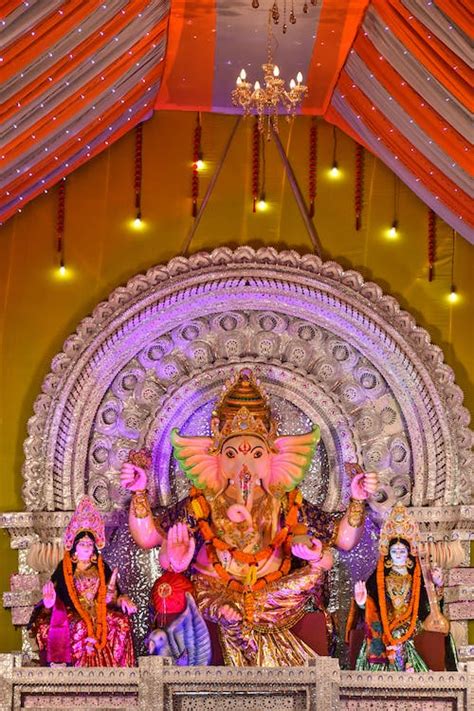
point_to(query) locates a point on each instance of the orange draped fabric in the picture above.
(69, 148)
(459, 11)
(27, 48)
(66, 64)
(437, 182)
(337, 28)
(424, 115)
(72, 104)
(189, 64)
(439, 60)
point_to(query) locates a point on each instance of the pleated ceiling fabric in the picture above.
(75, 76)
(394, 74)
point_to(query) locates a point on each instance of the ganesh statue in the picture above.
(255, 551)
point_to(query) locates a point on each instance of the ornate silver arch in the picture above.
(331, 346)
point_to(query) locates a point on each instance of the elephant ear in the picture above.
(289, 464)
(199, 466)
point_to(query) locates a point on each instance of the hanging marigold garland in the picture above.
(283, 538)
(410, 614)
(100, 631)
(431, 243)
(312, 168)
(138, 170)
(60, 221)
(196, 157)
(359, 184)
(255, 164)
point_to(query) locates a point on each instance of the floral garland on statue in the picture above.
(100, 632)
(201, 510)
(411, 612)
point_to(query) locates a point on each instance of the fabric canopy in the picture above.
(393, 74)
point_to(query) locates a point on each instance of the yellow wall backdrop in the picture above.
(38, 309)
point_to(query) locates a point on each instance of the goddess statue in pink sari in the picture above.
(255, 550)
(82, 619)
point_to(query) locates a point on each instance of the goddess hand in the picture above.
(132, 478)
(360, 593)
(49, 594)
(180, 547)
(312, 552)
(364, 485)
(90, 643)
(126, 604)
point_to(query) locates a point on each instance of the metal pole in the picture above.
(209, 190)
(310, 227)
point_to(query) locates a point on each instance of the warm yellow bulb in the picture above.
(199, 164)
(261, 204)
(137, 224)
(453, 296)
(62, 270)
(335, 172)
(392, 232)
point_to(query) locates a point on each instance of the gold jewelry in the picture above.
(388, 563)
(409, 563)
(74, 558)
(140, 504)
(356, 512)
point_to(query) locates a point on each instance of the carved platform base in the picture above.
(156, 684)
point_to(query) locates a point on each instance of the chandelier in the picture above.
(267, 101)
(276, 13)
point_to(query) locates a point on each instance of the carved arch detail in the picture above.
(328, 346)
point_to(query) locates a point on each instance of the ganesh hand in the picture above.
(49, 595)
(229, 615)
(310, 550)
(180, 547)
(126, 605)
(132, 477)
(364, 485)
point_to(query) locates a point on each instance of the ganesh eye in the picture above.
(258, 454)
(230, 454)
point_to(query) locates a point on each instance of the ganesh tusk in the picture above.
(238, 513)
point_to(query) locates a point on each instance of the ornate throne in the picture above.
(329, 347)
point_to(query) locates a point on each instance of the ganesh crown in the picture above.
(87, 518)
(243, 408)
(399, 524)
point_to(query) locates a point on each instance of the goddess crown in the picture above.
(86, 517)
(243, 408)
(399, 524)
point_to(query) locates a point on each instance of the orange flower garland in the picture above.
(201, 511)
(100, 632)
(412, 610)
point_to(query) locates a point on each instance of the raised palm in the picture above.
(132, 477)
(180, 547)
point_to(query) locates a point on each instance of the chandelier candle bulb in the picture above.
(292, 83)
(299, 77)
(276, 71)
(256, 86)
(243, 74)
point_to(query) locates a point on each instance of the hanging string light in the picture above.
(255, 163)
(60, 222)
(137, 223)
(197, 158)
(359, 184)
(393, 231)
(453, 295)
(431, 243)
(262, 203)
(312, 168)
(334, 172)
